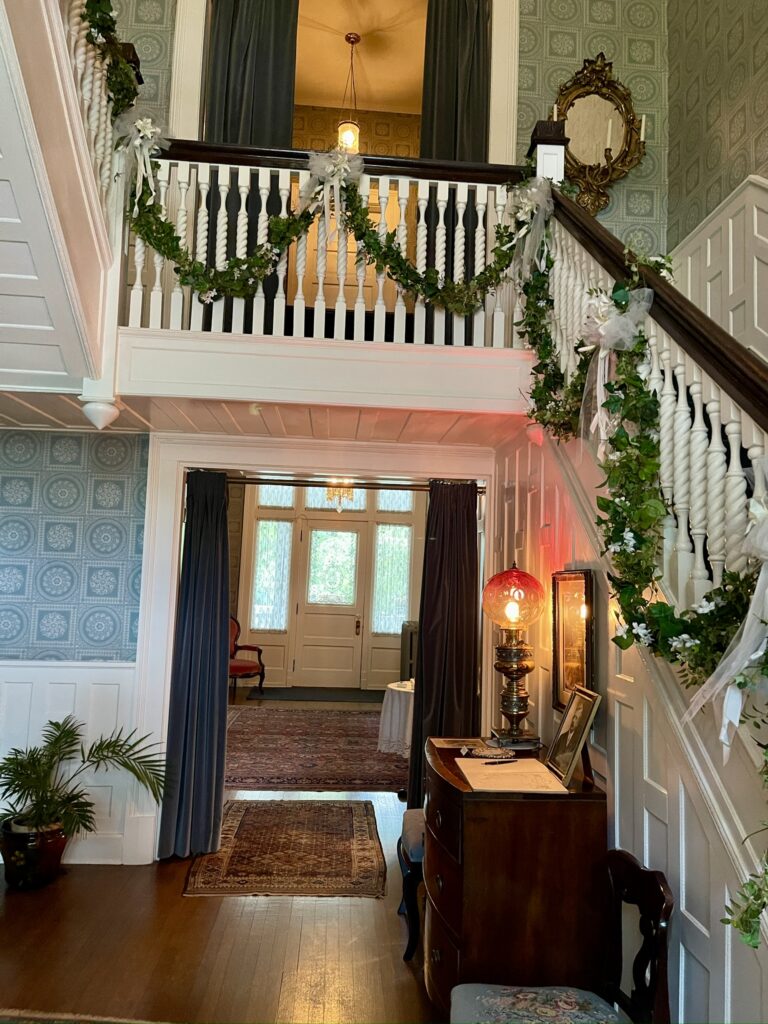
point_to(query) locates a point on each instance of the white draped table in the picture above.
(397, 719)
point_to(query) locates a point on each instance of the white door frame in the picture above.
(187, 75)
(170, 455)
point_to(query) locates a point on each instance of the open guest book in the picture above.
(526, 775)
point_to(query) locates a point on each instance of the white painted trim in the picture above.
(505, 62)
(187, 69)
(252, 368)
(714, 215)
(171, 454)
(86, 182)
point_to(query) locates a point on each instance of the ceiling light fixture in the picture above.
(349, 127)
(339, 491)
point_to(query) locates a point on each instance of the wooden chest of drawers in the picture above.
(516, 884)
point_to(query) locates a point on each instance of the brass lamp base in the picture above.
(514, 660)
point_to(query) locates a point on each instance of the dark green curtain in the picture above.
(197, 718)
(251, 70)
(445, 695)
(457, 76)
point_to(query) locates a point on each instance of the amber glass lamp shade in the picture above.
(513, 599)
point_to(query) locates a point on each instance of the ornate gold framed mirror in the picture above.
(606, 135)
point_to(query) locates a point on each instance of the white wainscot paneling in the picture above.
(101, 695)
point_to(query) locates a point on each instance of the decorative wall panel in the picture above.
(149, 25)
(718, 104)
(555, 37)
(71, 539)
(381, 133)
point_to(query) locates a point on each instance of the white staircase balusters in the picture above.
(156, 297)
(403, 194)
(322, 257)
(420, 307)
(735, 494)
(699, 443)
(222, 232)
(340, 309)
(182, 216)
(201, 241)
(459, 242)
(440, 258)
(481, 205)
(682, 482)
(716, 471)
(299, 300)
(380, 309)
(358, 333)
(241, 241)
(667, 404)
(284, 190)
(499, 314)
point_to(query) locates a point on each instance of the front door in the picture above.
(330, 605)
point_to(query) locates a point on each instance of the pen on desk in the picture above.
(501, 760)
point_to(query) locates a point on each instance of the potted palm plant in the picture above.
(46, 801)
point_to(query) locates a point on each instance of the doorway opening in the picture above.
(323, 584)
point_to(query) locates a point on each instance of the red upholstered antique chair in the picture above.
(243, 668)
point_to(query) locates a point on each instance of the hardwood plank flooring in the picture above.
(124, 942)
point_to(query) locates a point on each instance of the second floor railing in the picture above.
(220, 201)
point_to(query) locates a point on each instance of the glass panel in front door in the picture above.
(332, 576)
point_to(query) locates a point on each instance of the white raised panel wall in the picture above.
(101, 695)
(670, 801)
(722, 266)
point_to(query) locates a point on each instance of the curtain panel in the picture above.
(445, 696)
(197, 720)
(251, 72)
(457, 79)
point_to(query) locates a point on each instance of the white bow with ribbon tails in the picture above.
(740, 663)
(142, 139)
(328, 172)
(531, 207)
(609, 330)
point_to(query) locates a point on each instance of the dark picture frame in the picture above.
(573, 633)
(571, 735)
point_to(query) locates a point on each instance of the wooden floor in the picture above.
(124, 942)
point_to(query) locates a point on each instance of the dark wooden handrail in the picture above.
(741, 374)
(296, 159)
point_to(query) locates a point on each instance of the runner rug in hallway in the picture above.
(304, 749)
(293, 848)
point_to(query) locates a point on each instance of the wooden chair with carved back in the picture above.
(243, 668)
(648, 1001)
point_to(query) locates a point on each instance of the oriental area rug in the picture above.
(293, 848)
(304, 749)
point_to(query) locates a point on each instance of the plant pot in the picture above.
(32, 858)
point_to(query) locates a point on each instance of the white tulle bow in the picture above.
(328, 172)
(610, 330)
(531, 208)
(751, 641)
(142, 139)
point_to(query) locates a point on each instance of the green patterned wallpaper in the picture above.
(555, 37)
(718, 104)
(148, 24)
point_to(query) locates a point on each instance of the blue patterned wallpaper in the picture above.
(71, 540)
(718, 104)
(149, 25)
(555, 38)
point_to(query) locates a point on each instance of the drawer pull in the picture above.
(439, 882)
(439, 819)
(434, 956)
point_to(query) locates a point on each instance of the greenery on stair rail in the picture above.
(122, 86)
(631, 519)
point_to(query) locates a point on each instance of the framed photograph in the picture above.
(565, 750)
(573, 655)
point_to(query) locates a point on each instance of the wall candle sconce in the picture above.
(514, 600)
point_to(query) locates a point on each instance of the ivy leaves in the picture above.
(102, 33)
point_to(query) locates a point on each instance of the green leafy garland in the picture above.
(631, 522)
(241, 276)
(122, 86)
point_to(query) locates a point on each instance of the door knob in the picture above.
(357, 627)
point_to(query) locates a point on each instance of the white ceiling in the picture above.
(195, 416)
(389, 60)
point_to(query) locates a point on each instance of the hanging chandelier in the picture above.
(339, 491)
(349, 127)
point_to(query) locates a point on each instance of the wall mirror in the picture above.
(606, 137)
(573, 616)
